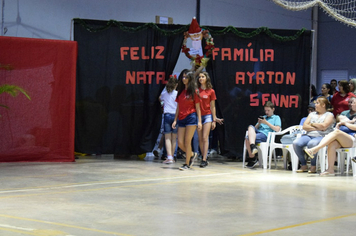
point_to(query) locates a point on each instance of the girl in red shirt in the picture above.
(187, 114)
(208, 113)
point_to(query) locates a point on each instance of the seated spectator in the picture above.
(313, 94)
(289, 138)
(352, 84)
(326, 91)
(258, 133)
(318, 124)
(333, 84)
(341, 124)
(341, 98)
(311, 108)
(352, 109)
(336, 139)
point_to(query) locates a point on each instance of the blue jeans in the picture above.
(167, 123)
(191, 119)
(206, 119)
(300, 143)
(260, 137)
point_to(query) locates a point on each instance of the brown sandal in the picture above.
(302, 169)
(312, 170)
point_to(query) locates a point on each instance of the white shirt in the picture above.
(169, 101)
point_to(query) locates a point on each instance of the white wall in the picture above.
(252, 14)
(337, 47)
(51, 19)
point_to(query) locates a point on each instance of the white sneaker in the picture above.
(184, 167)
(168, 161)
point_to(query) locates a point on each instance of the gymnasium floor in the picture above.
(104, 196)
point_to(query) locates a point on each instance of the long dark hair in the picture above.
(328, 86)
(181, 86)
(208, 80)
(313, 91)
(191, 86)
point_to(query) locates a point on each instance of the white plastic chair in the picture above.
(262, 151)
(349, 152)
(353, 164)
(341, 152)
(295, 129)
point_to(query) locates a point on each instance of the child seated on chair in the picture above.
(258, 133)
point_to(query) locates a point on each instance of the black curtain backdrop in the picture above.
(241, 102)
(119, 81)
(121, 70)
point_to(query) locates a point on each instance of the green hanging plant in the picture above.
(13, 90)
(228, 29)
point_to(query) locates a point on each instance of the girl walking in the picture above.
(208, 114)
(168, 97)
(187, 114)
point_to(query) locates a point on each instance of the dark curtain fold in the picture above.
(236, 102)
(120, 74)
(121, 68)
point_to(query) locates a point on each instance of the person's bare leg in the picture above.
(250, 140)
(174, 143)
(168, 139)
(189, 132)
(341, 137)
(204, 139)
(200, 138)
(181, 136)
(332, 155)
(251, 134)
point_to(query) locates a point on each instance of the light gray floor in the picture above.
(132, 197)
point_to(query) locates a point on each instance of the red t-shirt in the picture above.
(186, 104)
(340, 103)
(206, 96)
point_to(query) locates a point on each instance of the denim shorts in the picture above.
(206, 119)
(167, 123)
(260, 137)
(191, 119)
